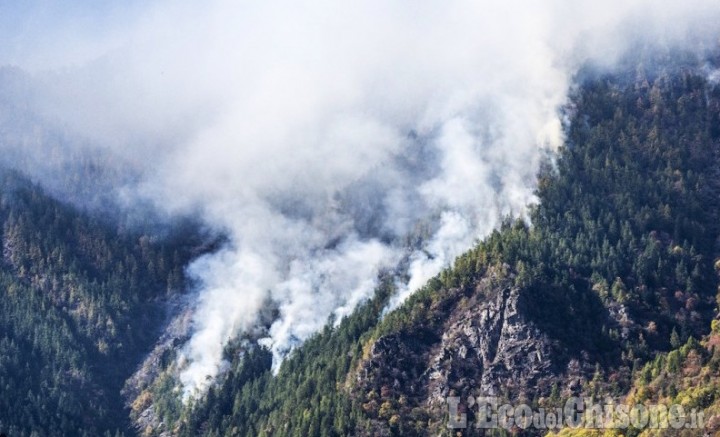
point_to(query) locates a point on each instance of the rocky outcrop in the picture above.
(491, 350)
(137, 388)
(486, 346)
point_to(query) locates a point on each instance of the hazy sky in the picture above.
(39, 34)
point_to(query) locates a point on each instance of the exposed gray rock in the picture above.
(484, 345)
(490, 350)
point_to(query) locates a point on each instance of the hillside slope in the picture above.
(80, 305)
(614, 266)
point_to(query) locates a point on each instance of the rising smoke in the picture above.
(322, 136)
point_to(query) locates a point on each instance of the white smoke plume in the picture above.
(320, 135)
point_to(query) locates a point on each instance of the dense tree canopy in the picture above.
(77, 312)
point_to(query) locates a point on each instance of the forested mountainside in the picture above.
(79, 308)
(614, 267)
(608, 288)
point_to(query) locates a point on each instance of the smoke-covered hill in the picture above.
(616, 264)
(238, 218)
(327, 145)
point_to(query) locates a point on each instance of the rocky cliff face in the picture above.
(487, 346)
(491, 349)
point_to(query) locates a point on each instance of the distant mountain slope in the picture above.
(79, 306)
(616, 267)
(688, 376)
